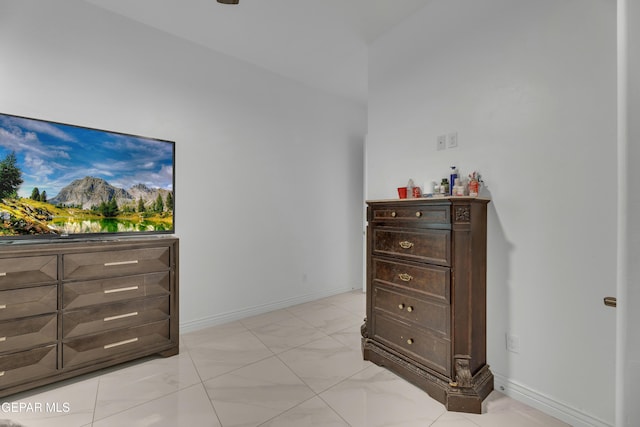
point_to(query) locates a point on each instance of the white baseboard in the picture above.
(231, 316)
(546, 404)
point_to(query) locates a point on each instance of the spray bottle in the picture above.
(452, 179)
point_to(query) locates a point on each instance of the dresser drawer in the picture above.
(429, 280)
(93, 348)
(112, 316)
(28, 301)
(417, 344)
(98, 265)
(28, 332)
(432, 246)
(430, 315)
(19, 367)
(15, 272)
(440, 215)
(95, 292)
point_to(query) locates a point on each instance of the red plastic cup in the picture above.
(402, 192)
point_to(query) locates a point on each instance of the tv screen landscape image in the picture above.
(59, 180)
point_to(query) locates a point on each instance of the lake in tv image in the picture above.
(65, 180)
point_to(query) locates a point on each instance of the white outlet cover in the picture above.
(513, 343)
(442, 142)
(452, 140)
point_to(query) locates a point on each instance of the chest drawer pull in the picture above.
(1, 373)
(401, 306)
(409, 309)
(3, 306)
(119, 343)
(410, 341)
(418, 214)
(405, 244)
(4, 273)
(111, 264)
(120, 316)
(405, 277)
(393, 214)
(112, 291)
(3, 339)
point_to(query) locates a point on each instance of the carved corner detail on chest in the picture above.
(463, 372)
(463, 214)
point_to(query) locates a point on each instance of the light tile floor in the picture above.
(297, 367)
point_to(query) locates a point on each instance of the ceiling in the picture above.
(321, 43)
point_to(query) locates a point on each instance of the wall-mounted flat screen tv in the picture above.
(59, 180)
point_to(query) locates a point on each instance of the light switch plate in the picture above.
(452, 140)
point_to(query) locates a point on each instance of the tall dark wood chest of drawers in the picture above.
(426, 296)
(75, 307)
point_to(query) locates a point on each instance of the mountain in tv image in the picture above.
(88, 205)
(89, 192)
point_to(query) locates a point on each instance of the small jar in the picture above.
(458, 189)
(444, 187)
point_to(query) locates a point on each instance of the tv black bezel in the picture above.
(53, 237)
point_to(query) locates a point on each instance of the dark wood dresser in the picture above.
(71, 308)
(426, 296)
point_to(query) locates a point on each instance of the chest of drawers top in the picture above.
(53, 246)
(439, 212)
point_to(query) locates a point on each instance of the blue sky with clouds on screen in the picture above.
(52, 155)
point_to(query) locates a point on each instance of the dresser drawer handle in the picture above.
(112, 291)
(4, 273)
(406, 244)
(119, 343)
(393, 214)
(3, 306)
(410, 341)
(115, 263)
(1, 373)
(418, 214)
(3, 339)
(401, 306)
(405, 277)
(409, 309)
(121, 316)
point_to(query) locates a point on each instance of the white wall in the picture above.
(628, 292)
(269, 172)
(530, 87)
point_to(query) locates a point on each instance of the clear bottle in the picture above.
(410, 189)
